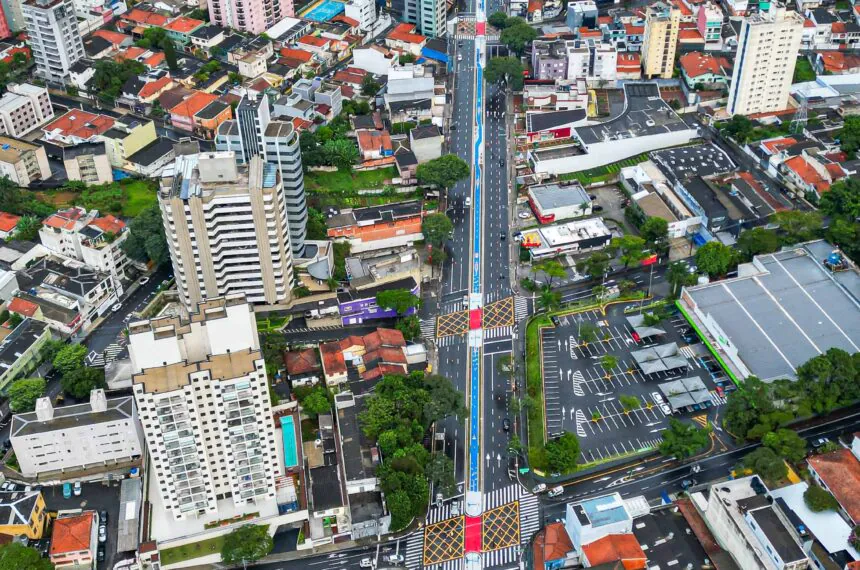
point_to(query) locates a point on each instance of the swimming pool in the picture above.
(325, 11)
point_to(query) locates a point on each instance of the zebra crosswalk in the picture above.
(110, 354)
(499, 332)
(428, 328)
(309, 329)
(414, 551)
(504, 557)
(436, 514)
(451, 340)
(689, 353)
(521, 308)
(502, 496)
(716, 399)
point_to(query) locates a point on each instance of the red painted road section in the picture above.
(480, 28)
(472, 541)
(475, 316)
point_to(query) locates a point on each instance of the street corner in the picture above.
(444, 541)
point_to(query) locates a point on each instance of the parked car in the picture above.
(144, 280)
(524, 215)
(666, 409)
(67, 490)
(687, 483)
(100, 554)
(77, 488)
(555, 491)
(657, 397)
(539, 488)
(103, 516)
(596, 208)
(366, 563)
(116, 308)
(102, 533)
(820, 442)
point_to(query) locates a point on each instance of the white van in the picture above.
(539, 488)
(555, 491)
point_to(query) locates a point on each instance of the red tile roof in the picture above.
(696, 64)
(604, 19)
(835, 171)
(8, 221)
(552, 543)
(839, 28)
(373, 140)
(183, 25)
(332, 352)
(192, 105)
(535, 6)
(154, 87)
(131, 52)
(632, 30)
(109, 223)
(685, 10)
(406, 33)
(313, 41)
(612, 547)
(22, 307)
(80, 124)
(299, 54)
(840, 471)
(64, 219)
(839, 62)
(115, 38)
(153, 60)
(588, 33)
(805, 172)
(10, 53)
(302, 361)
(690, 35)
(351, 22)
(72, 534)
(628, 61)
(807, 23)
(346, 76)
(382, 370)
(143, 17)
(776, 145)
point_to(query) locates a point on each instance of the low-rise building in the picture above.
(328, 507)
(74, 540)
(375, 268)
(359, 305)
(8, 223)
(555, 202)
(622, 547)
(354, 356)
(77, 126)
(97, 435)
(570, 238)
(403, 37)
(24, 108)
(839, 473)
(595, 518)
(21, 350)
(651, 193)
(378, 227)
(88, 163)
(425, 142)
(22, 162)
(96, 240)
(23, 513)
(705, 69)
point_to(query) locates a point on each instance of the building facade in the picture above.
(252, 16)
(102, 433)
(253, 133)
(23, 513)
(88, 163)
(227, 228)
(428, 16)
(23, 162)
(20, 351)
(662, 23)
(201, 389)
(764, 65)
(54, 37)
(23, 108)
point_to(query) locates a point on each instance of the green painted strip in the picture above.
(704, 338)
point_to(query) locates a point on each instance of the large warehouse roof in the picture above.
(783, 309)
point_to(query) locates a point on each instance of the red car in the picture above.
(636, 337)
(720, 391)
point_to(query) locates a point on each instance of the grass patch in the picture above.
(342, 182)
(803, 71)
(138, 195)
(603, 173)
(192, 550)
(271, 324)
(534, 387)
(310, 430)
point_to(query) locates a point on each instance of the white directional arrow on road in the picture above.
(499, 459)
(571, 413)
(488, 460)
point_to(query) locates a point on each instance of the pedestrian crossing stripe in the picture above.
(688, 352)
(521, 308)
(701, 419)
(578, 380)
(428, 328)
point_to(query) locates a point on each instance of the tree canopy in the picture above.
(24, 393)
(110, 75)
(655, 231)
(563, 453)
(798, 226)
(632, 249)
(146, 240)
(763, 461)
(444, 171)
(595, 265)
(849, 136)
(16, 556)
(552, 268)
(410, 327)
(818, 499)
(247, 543)
(757, 241)
(786, 443)
(436, 228)
(81, 381)
(678, 276)
(400, 300)
(70, 357)
(509, 69)
(683, 440)
(518, 36)
(314, 401)
(715, 259)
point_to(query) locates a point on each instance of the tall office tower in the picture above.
(662, 22)
(226, 228)
(253, 133)
(764, 65)
(252, 16)
(54, 37)
(203, 400)
(427, 15)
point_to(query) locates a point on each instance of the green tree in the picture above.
(437, 229)
(763, 461)
(316, 227)
(146, 240)
(595, 265)
(845, 234)
(818, 499)
(70, 357)
(27, 228)
(854, 537)
(24, 393)
(515, 446)
(745, 408)
(587, 332)
(438, 256)
(342, 153)
(798, 226)
(632, 249)
(549, 300)
(410, 327)
(739, 128)
(843, 199)
(551, 268)
(714, 258)
(400, 507)
(655, 231)
(14, 320)
(518, 36)
(786, 443)
(369, 86)
(849, 136)
(444, 171)
(440, 472)
(443, 399)
(629, 403)
(498, 20)
(683, 440)
(170, 55)
(757, 241)
(16, 556)
(563, 453)
(609, 362)
(81, 381)
(247, 543)
(678, 276)
(110, 75)
(400, 300)
(316, 402)
(507, 69)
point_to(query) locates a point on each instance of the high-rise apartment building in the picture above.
(427, 15)
(54, 37)
(764, 65)
(226, 228)
(252, 134)
(23, 108)
(203, 401)
(662, 22)
(252, 16)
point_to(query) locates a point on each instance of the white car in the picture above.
(102, 533)
(459, 57)
(395, 559)
(366, 563)
(468, 201)
(144, 280)
(524, 215)
(658, 399)
(116, 308)
(77, 488)
(539, 488)
(666, 409)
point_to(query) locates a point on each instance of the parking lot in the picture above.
(620, 410)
